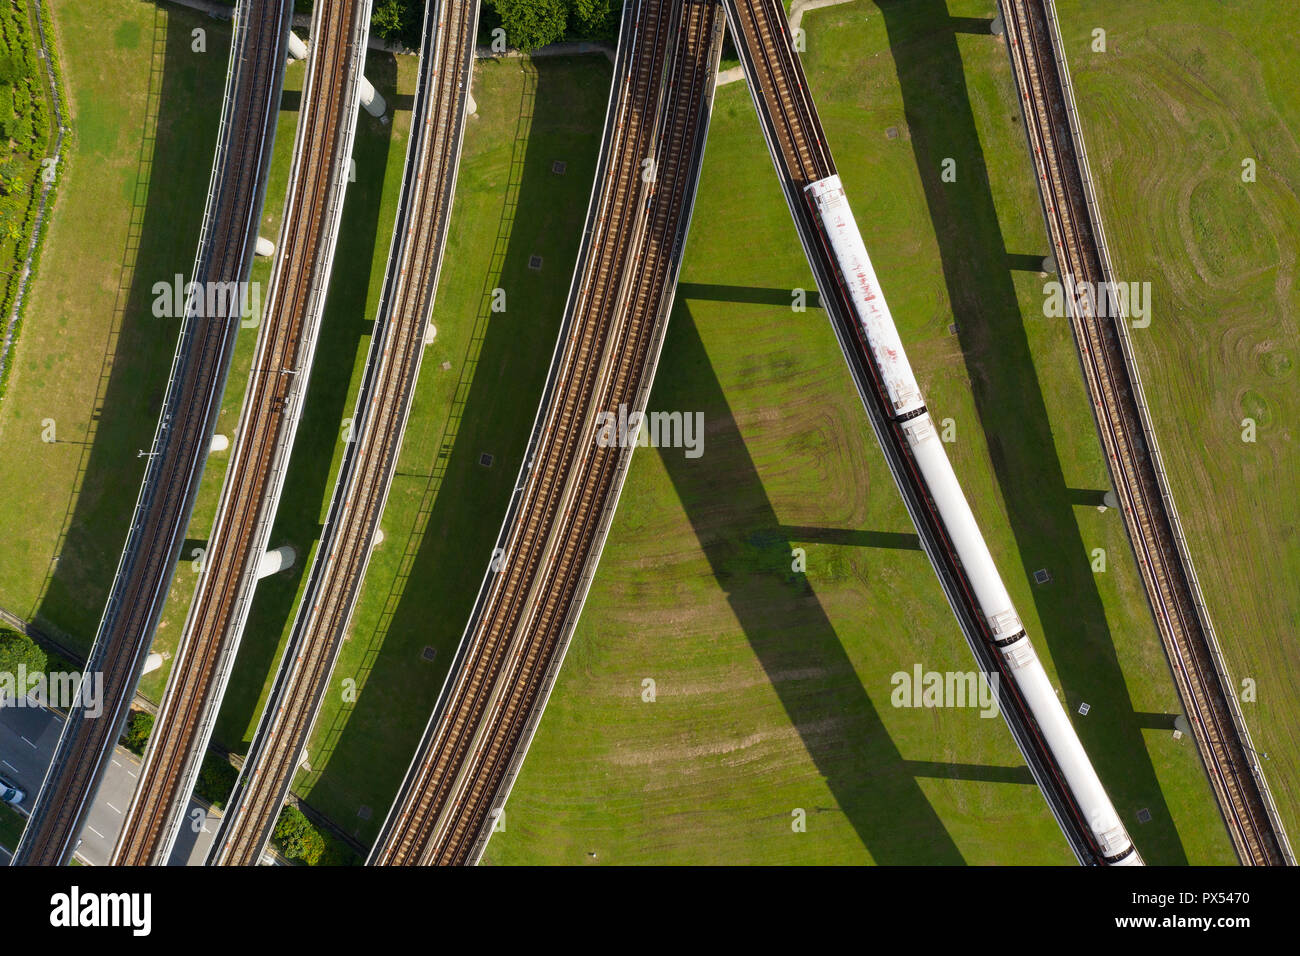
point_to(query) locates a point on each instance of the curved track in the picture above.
(555, 527)
(388, 386)
(1129, 443)
(184, 431)
(264, 437)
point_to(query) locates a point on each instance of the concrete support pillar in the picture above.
(470, 106)
(371, 100)
(430, 334)
(219, 443)
(1109, 500)
(152, 663)
(297, 49)
(277, 560)
(264, 247)
(1049, 264)
(997, 28)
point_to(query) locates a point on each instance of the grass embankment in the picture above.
(1170, 111)
(773, 689)
(90, 373)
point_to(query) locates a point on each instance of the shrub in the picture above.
(297, 838)
(138, 728)
(18, 650)
(216, 780)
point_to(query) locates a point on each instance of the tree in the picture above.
(297, 838)
(386, 19)
(593, 18)
(19, 651)
(532, 23)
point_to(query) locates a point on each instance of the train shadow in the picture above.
(135, 367)
(345, 324)
(784, 621)
(977, 271)
(363, 751)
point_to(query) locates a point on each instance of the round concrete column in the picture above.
(371, 100)
(277, 560)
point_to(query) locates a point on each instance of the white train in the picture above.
(831, 207)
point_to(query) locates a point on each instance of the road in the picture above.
(28, 736)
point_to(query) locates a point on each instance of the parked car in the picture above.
(9, 792)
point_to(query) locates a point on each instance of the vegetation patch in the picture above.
(299, 839)
(20, 651)
(27, 170)
(1255, 406)
(12, 824)
(138, 728)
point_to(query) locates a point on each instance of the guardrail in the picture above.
(640, 401)
(416, 151)
(182, 362)
(1040, 762)
(314, 308)
(1149, 435)
(623, 55)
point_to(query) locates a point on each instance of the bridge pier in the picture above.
(297, 48)
(219, 443)
(371, 99)
(264, 248)
(278, 560)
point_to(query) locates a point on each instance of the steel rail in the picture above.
(264, 438)
(179, 451)
(383, 406)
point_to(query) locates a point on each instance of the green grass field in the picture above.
(93, 360)
(773, 691)
(1170, 111)
(772, 688)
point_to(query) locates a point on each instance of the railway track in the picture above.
(277, 383)
(1128, 440)
(801, 155)
(555, 527)
(183, 434)
(388, 385)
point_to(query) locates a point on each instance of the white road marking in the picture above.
(111, 807)
(116, 762)
(27, 742)
(94, 831)
(9, 765)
